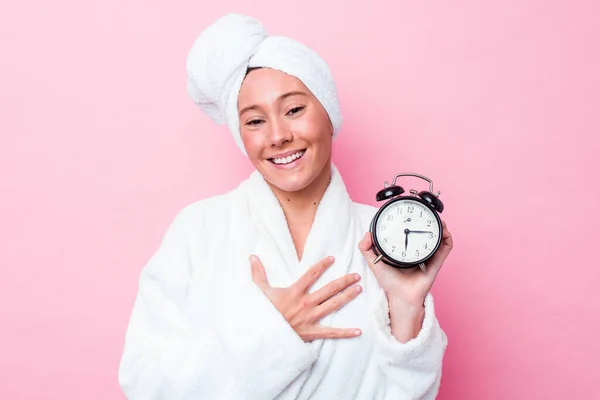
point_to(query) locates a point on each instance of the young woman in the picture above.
(269, 291)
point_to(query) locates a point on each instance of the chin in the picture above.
(289, 181)
(291, 185)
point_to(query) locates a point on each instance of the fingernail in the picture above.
(253, 258)
(357, 332)
(356, 277)
(330, 258)
(358, 289)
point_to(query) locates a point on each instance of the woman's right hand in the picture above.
(304, 310)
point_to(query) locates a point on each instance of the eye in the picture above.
(295, 110)
(254, 122)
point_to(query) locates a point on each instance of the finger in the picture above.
(313, 274)
(365, 247)
(447, 241)
(336, 302)
(447, 238)
(259, 276)
(444, 228)
(333, 288)
(366, 242)
(331, 333)
(435, 263)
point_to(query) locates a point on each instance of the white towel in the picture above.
(221, 55)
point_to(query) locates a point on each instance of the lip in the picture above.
(291, 165)
(286, 154)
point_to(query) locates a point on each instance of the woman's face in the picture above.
(285, 129)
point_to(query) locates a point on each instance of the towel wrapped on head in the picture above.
(221, 55)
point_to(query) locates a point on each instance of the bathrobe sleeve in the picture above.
(253, 353)
(412, 370)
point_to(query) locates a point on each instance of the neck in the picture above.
(300, 207)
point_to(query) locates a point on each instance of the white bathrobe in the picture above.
(201, 329)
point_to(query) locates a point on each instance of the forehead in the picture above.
(265, 85)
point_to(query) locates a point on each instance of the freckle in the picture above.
(315, 203)
(288, 199)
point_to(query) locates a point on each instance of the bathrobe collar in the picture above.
(332, 232)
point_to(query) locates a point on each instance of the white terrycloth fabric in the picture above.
(201, 329)
(220, 56)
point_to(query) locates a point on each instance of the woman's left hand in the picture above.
(407, 287)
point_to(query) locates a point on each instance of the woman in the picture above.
(269, 291)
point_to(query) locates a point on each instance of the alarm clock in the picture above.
(407, 230)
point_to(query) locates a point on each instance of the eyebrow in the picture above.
(282, 97)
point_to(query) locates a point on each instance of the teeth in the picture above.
(288, 159)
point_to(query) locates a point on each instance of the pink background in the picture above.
(497, 102)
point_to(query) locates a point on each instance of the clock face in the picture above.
(408, 231)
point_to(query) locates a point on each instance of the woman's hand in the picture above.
(302, 310)
(406, 289)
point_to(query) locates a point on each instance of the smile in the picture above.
(288, 159)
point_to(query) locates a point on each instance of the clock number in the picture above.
(385, 239)
(390, 217)
(411, 209)
(431, 236)
(425, 246)
(383, 227)
(398, 210)
(417, 253)
(393, 248)
(403, 254)
(421, 214)
(429, 223)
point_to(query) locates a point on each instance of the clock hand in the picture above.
(421, 232)
(406, 232)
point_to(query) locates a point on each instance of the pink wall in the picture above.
(497, 102)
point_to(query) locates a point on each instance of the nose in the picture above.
(280, 134)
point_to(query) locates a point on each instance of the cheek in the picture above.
(320, 133)
(315, 128)
(252, 143)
